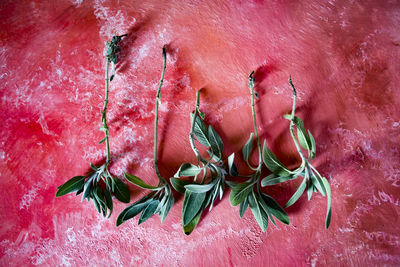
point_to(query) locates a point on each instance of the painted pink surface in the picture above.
(343, 57)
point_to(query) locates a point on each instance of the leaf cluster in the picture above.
(97, 186)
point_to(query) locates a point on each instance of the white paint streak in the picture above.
(29, 197)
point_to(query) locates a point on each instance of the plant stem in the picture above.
(251, 87)
(158, 97)
(104, 113)
(192, 134)
(292, 121)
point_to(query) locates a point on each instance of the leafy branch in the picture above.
(90, 185)
(160, 199)
(312, 179)
(200, 195)
(248, 193)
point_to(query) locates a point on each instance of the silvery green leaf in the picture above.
(275, 209)
(188, 229)
(265, 208)
(240, 192)
(243, 207)
(233, 171)
(302, 135)
(248, 148)
(179, 184)
(200, 188)
(93, 167)
(99, 197)
(87, 189)
(72, 185)
(121, 191)
(313, 146)
(192, 203)
(258, 213)
(310, 190)
(102, 140)
(96, 204)
(200, 131)
(317, 181)
(149, 211)
(297, 194)
(202, 115)
(188, 169)
(107, 196)
(274, 179)
(217, 145)
(139, 182)
(272, 162)
(329, 211)
(133, 210)
(166, 208)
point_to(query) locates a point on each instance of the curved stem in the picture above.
(292, 121)
(158, 97)
(191, 134)
(104, 113)
(251, 87)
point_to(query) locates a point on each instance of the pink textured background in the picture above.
(344, 57)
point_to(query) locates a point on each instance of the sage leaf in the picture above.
(304, 139)
(233, 170)
(149, 211)
(121, 191)
(243, 207)
(240, 192)
(179, 184)
(248, 148)
(199, 188)
(217, 145)
(102, 140)
(188, 229)
(200, 131)
(192, 203)
(313, 146)
(297, 194)
(272, 162)
(274, 179)
(133, 210)
(317, 181)
(329, 210)
(109, 203)
(87, 189)
(275, 209)
(258, 213)
(167, 207)
(188, 169)
(139, 182)
(72, 185)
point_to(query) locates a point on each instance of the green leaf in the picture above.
(217, 145)
(231, 184)
(302, 135)
(200, 131)
(149, 211)
(317, 181)
(107, 196)
(240, 192)
(272, 162)
(188, 229)
(275, 209)
(72, 185)
(133, 210)
(313, 146)
(297, 194)
(258, 213)
(179, 184)
(121, 191)
(201, 188)
(166, 207)
(87, 189)
(192, 203)
(274, 179)
(139, 182)
(96, 204)
(99, 196)
(188, 169)
(243, 207)
(248, 148)
(329, 211)
(233, 170)
(102, 140)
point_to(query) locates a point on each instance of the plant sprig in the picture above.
(248, 193)
(198, 195)
(312, 179)
(160, 199)
(90, 185)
